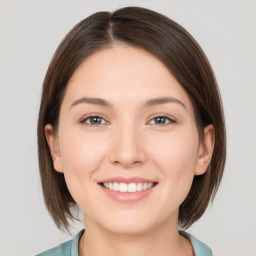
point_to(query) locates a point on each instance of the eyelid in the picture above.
(84, 118)
(171, 119)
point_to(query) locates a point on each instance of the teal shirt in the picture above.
(70, 248)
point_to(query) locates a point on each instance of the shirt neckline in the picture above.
(200, 249)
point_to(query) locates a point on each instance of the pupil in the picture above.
(160, 120)
(95, 120)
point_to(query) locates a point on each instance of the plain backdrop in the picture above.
(30, 31)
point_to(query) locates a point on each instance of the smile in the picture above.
(130, 187)
(127, 190)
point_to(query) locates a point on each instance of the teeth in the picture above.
(115, 187)
(123, 187)
(139, 187)
(131, 187)
(150, 185)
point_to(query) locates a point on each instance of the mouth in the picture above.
(127, 190)
(128, 187)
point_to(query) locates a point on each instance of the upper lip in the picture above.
(127, 180)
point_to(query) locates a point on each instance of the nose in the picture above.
(127, 147)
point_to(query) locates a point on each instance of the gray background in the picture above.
(29, 34)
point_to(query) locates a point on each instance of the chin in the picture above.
(131, 225)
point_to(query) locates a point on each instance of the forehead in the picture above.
(124, 73)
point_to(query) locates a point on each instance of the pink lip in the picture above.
(127, 180)
(127, 197)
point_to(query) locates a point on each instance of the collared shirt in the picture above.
(70, 248)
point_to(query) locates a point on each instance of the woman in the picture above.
(131, 130)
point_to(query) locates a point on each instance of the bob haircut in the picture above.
(174, 47)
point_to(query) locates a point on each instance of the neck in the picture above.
(164, 241)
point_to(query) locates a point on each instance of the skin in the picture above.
(128, 142)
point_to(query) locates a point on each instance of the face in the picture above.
(127, 141)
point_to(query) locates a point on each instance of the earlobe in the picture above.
(205, 150)
(54, 148)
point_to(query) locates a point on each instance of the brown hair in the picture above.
(171, 44)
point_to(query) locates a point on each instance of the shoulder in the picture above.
(200, 249)
(69, 248)
(61, 250)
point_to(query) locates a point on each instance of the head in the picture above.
(146, 34)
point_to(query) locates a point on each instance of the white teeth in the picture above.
(150, 185)
(131, 187)
(105, 184)
(115, 187)
(123, 187)
(139, 187)
(145, 186)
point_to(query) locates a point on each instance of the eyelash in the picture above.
(83, 121)
(170, 120)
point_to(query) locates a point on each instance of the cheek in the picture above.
(176, 156)
(175, 150)
(81, 154)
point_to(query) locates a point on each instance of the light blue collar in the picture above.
(200, 249)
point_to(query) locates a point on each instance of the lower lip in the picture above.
(126, 197)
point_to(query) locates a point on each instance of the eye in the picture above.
(94, 120)
(162, 120)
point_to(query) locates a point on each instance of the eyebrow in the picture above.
(95, 101)
(148, 103)
(163, 100)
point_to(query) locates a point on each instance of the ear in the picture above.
(205, 150)
(54, 147)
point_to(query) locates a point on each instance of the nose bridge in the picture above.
(127, 148)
